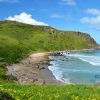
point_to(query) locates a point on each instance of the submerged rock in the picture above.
(97, 76)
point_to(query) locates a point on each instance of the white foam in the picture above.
(57, 72)
(77, 70)
(72, 71)
(94, 60)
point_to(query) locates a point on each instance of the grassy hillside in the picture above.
(17, 40)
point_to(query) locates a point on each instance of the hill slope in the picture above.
(18, 40)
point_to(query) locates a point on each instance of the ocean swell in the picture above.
(94, 60)
(77, 67)
(58, 72)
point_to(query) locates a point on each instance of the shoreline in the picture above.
(34, 69)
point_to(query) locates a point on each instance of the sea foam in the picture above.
(57, 72)
(94, 60)
(76, 67)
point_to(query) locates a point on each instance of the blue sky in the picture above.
(76, 15)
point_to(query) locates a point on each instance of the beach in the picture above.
(49, 68)
(33, 70)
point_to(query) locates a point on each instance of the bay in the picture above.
(77, 67)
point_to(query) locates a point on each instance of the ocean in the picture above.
(77, 67)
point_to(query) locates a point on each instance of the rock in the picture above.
(40, 81)
(97, 76)
(42, 68)
(63, 60)
(22, 81)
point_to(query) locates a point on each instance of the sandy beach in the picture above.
(33, 70)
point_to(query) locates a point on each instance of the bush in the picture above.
(3, 76)
(46, 48)
(11, 77)
(5, 96)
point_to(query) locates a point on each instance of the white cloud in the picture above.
(93, 22)
(9, 1)
(68, 18)
(56, 16)
(68, 2)
(26, 18)
(93, 11)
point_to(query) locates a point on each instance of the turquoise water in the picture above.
(77, 67)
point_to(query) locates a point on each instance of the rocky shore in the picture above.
(33, 70)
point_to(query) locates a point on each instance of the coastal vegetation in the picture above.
(18, 40)
(48, 92)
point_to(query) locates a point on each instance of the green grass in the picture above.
(47, 92)
(4, 78)
(17, 40)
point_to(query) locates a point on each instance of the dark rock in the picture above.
(57, 54)
(49, 64)
(42, 68)
(97, 76)
(52, 60)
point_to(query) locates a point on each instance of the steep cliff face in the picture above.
(98, 47)
(22, 39)
(74, 38)
(89, 42)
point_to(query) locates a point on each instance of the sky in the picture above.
(74, 15)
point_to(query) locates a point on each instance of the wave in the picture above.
(57, 72)
(71, 72)
(92, 59)
(81, 71)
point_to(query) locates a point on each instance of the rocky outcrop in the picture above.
(98, 47)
